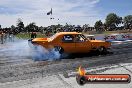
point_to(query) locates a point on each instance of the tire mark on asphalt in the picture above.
(59, 67)
(63, 81)
(124, 68)
(113, 53)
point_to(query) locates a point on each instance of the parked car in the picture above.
(90, 37)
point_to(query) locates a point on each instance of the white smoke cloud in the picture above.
(39, 53)
(20, 49)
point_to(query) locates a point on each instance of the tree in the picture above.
(98, 26)
(128, 21)
(104, 27)
(41, 29)
(86, 27)
(59, 26)
(31, 27)
(112, 21)
(66, 25)
(20, 25)
(13, 28)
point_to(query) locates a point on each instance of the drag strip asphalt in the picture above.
(122, 53)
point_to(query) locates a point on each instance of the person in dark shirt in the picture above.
(35, 34)
(32, 35)
(2, 38)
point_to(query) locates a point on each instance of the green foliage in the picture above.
(13, 28)
(112, 20)
(98, 25)
(111, 24)
(28, 35)
(31, 27)
(128, 21)
(20, 25)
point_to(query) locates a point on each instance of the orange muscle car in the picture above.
(71, 42)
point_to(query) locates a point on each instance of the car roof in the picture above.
(62, 33)
(89, 35)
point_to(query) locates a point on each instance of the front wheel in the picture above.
(102, 50)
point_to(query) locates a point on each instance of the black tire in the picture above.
(102, 50)
(59, 49)
(30, 39)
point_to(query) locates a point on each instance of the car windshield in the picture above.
(84, 37)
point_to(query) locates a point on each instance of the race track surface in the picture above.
(20, 66)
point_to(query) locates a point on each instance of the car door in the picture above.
(68, 43)
(82, 45)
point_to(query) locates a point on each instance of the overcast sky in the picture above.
(67, 11)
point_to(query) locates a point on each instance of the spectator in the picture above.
(55, 31)
(10, 36)
(32, 35)
(2, 38)
(35, 34)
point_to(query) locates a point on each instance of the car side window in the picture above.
(68, 38)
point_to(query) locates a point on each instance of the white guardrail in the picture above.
(120, 40)
(116, 39)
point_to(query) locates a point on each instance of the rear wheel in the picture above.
(59, 49)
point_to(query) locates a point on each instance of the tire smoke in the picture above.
(19, 49)
(39, 53)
